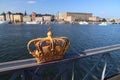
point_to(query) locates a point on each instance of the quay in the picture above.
(28, 69)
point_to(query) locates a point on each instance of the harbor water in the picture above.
(14, 38)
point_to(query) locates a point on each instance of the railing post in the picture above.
(15, 75)
(22, 76)
(114, 62)
(103, 72)
(73, 73)
(27, 75)
(90, 71)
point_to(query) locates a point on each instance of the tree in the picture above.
(3, 13)
(104, 20)
(112, 21)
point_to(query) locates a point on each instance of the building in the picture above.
(48, 17)
(8, 18)
(11, 18)
(18, 17)
(33, 16)
(94, 19)
(39, 18)
(2, 17)
(26, 18)
(71, 16)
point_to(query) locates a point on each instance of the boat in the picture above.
(103, 24)
(4, 22)
(41, 22)
(32, 22)
(83, 23)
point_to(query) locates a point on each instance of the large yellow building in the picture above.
(26, 18)
(39, 18)
(71, 16)
(2, 18)
(94, 19)
(48, 18)
(18, 17)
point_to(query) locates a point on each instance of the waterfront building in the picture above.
(33, 16)
(39, 18)
(94, 19)
(26, 18)
(48, 18)
(36, 17)
(11, 18)
(18, 17)
(2, 17)
(8, 17)
(71, 16)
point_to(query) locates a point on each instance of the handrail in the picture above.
(29, 63)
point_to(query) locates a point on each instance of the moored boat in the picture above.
(4, 22)
(83, 22)
(103, 24)
(32, 22)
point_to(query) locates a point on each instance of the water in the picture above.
(14, 38)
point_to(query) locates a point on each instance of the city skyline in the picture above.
(101, 8)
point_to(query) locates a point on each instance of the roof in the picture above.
(18, 14)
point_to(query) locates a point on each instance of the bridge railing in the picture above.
(92, 64)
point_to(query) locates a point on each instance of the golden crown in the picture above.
(49, 48)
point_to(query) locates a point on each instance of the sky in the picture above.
(101, 8)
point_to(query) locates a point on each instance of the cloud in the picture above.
(31, 2)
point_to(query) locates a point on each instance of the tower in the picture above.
(25, 14)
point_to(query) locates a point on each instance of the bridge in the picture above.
(101, 65)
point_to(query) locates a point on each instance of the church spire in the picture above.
(25, 13)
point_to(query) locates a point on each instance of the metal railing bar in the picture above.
(29, 63)
(92, 68)
(60, 73)
(105, 47)
(102, 51)
(22, 76)
(73, 63)
(17, 61)
(103, 72)
(114, 62)
(62, 70)
(110, 69)
(15, 75)
(34, 75)
(86, 70)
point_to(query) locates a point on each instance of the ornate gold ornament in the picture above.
(49, 48)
